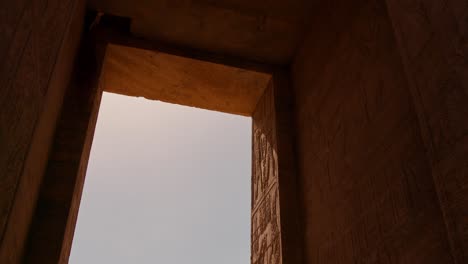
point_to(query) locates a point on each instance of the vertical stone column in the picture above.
(275, 237)
(291, 238)
(266, 240)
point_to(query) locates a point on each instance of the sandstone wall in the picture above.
(367, 189)
(38, 40)
(433, 43)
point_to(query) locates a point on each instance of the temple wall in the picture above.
(433, 44)
(38, 40)
(380, 93)
(367, 190)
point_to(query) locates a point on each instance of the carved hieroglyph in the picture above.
(266, 241)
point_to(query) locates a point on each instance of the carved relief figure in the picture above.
(265, 172)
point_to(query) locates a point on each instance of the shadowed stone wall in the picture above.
(38, 40)
(433, 44)
(380, 92)
(60, 194)
(367, 186)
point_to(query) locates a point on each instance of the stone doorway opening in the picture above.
(130, 66)
(163, 179)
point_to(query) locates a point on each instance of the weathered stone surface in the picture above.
(37, 45)
(266, 240)
(60, 194)
(380, 109)
(174, 79)
(368, 195)
(275, 225)
(433, 43)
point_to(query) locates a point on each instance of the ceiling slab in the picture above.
(266, 31)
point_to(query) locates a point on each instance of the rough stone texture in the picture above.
(380, 107)
(266, 239)
(160, 76)
(433, 41)
(37, 45)
(265, 31)
(367, 191)
(57, 207)
(275, 234)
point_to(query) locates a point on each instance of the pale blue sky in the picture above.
(165, 184)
